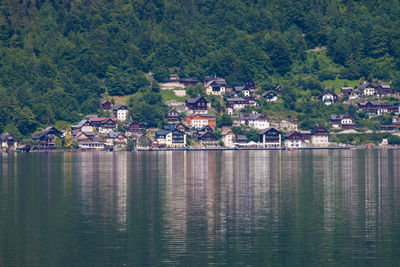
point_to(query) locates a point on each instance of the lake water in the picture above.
(254, 208)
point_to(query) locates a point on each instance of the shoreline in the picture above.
(213, 149)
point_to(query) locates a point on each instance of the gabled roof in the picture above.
(340, 117)
(165, 132)
(81, 123)
(269, 94)
(319, 128)
(368, 85)
(227, 131)
(207, 135)
(114, 135)
(168, 127)
(293, 135)
(251, 117)
(120, 107)
(238, 89)
(7, 137)
(194, 100)
(336, 117)
(172, 110)
(374, 103)
(189, 80)
(48, 130)
(269, 129)
(210, 116)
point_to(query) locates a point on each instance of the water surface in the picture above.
(254, 208)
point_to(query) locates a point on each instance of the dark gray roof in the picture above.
(193, 100)
(267, 130)
(6, 137)
(81, 123)
(46, 131)
(113, 134)
(336, 117)
(162, 133)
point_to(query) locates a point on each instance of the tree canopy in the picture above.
(59, 56)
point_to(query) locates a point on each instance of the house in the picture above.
(278, 89)
(241, 139)
(369, 89)
(172, 83)
(215, 86)
(241, 91)
(121, 113)
(47, 138)
(228, 137)
(250, 85)
(328, 97)
(83, 136)
(270, 96)
(200, 120)
(84, 125)
(175, 82)
(182, 127)
(343, 121)
(237, 104)
(294, 139)
(306, 135)
(107, 105)
(141, 141)
(319, 136)
(135, 127)
(8, 141)
(208, 140)
(270, 138)
(197, 105)
(246, 90)
(189, 81)
(103, 125)
(346, 90)
(95, 143)
(172, 116)
(375, 107)
(116, 139)
(171, 138)
(202, 131)
(254, 120)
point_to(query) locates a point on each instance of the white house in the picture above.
(294, 139)
(121, 113)
(228, 138)
(85, 126)
(254, 120)
(319, 136)
(171, 138)
(215, 86)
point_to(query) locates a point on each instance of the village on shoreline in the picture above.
(192, 125)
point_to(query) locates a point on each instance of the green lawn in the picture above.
(170, 95)
(338, 83)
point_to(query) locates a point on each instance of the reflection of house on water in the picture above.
(104, 186)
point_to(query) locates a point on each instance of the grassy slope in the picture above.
(170, 95)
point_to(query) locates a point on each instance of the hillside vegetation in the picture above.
(58, 57)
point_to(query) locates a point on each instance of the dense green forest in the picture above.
(58, 57)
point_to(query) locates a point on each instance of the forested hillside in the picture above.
(59, 56)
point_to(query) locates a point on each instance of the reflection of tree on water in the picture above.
(171, 208)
